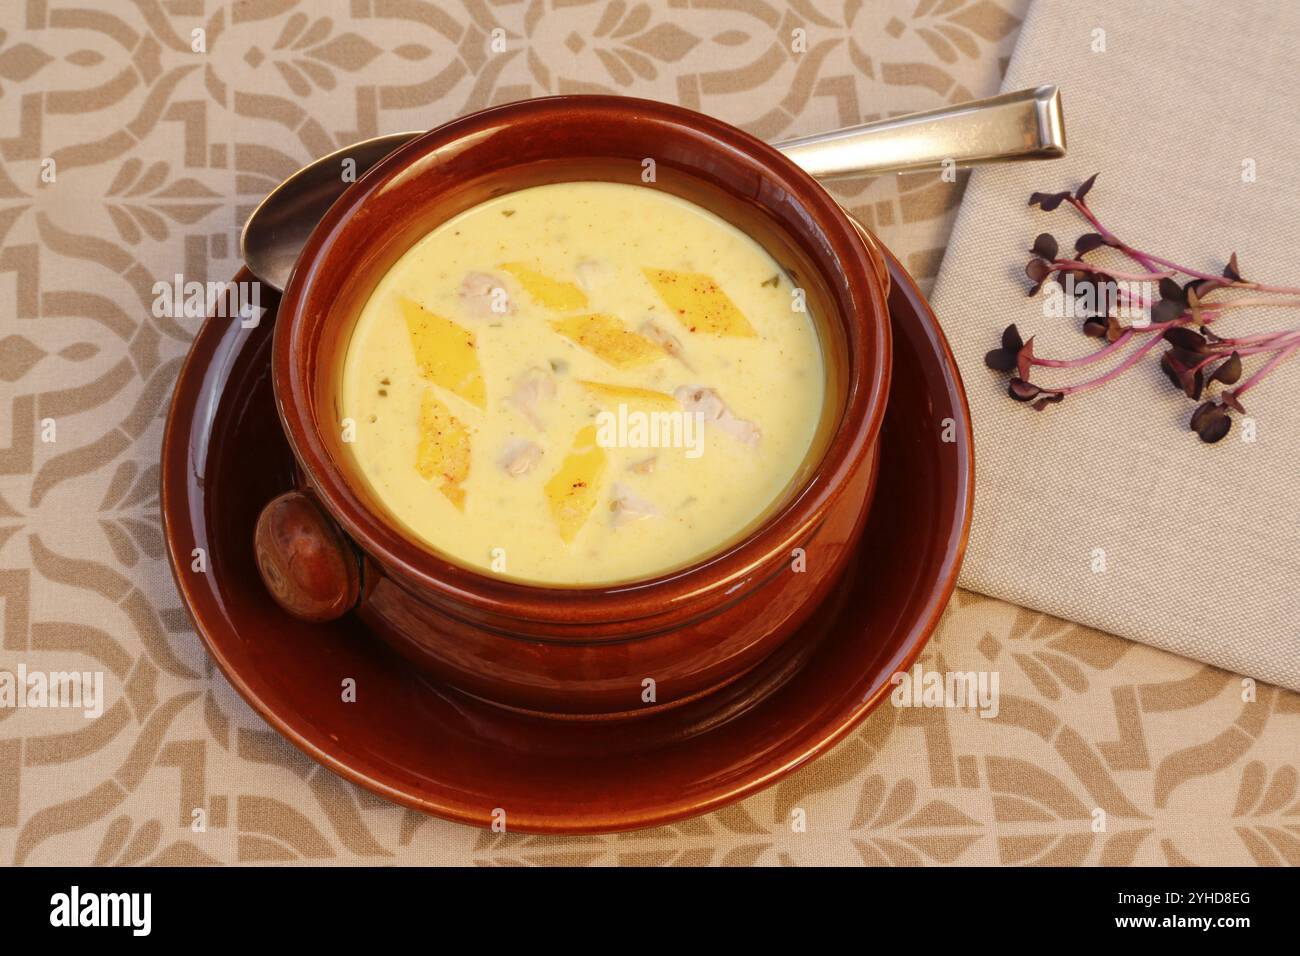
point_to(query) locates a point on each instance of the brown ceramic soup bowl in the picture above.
(620, 649)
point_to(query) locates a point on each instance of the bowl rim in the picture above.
(719, 573)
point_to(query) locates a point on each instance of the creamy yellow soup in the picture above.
(582, 383)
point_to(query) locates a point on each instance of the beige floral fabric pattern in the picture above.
(134, 140)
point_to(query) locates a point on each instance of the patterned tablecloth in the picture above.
(135, 138)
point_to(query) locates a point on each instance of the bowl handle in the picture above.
(306, 562)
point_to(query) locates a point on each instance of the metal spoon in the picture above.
(1015, 126)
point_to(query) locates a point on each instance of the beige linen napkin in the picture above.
(1106, 510)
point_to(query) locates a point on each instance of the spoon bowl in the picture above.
(277, 229)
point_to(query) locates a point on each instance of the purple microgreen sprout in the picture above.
(1195, 357)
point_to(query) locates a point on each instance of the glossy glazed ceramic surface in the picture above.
(589, 651)
(504, 149)
(442, 752)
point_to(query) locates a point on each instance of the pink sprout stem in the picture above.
(1251, 339)
(1256, 350)
(1249, 303)
(1126, 276)
(1266, 368)
(1150, 261)
(1109, 349)
(1117, 371)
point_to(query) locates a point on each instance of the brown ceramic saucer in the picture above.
(224, 456)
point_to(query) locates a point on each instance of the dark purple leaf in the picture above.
(1211, 422)
(1004, 359)
(1096, 326)
(1228, 372)
(1184, 373)
(1185, 358)
(1045, 246)
(1048, 398)
(1025, 359)
(1167, 310)
(1023, 391)
(1038, 269)
(1172, 291)
(1011, 340)
(1048, 201)
(1085, 188)
(1232, 270)
(1186, 339)
(1000, 360)
(1200, 288)
(1088, 242)
(1170, 367)
(1230, 399)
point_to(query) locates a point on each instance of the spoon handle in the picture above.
(1027, 124)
